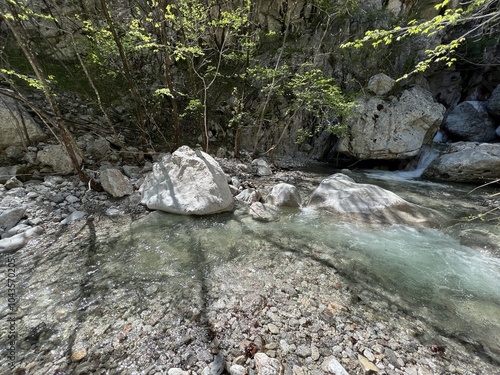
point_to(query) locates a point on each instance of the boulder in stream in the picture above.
(371, 204)
(285, 195)
(466, 162)
(470, 121)
(187, 182)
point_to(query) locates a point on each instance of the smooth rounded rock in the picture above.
(341, 195)
(285, 195)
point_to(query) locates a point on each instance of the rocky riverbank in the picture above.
(276, 311)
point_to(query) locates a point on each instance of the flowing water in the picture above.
(425, 271)
(165, 260)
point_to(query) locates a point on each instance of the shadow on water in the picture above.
(171, 259)
(422, 271)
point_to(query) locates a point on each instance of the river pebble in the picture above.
(271, 312)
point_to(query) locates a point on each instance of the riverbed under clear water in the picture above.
(427, 271)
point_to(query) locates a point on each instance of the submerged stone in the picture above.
(341, 195)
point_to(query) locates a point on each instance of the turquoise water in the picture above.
(425, 272)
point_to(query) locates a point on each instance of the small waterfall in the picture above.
(425, 158)
(427, 155)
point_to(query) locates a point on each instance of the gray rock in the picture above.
(234, 190)
(53, 180)
(99, 149)
(20, 228)
(235, 182)
(382, 129)
(32, 195)
(9, 217)
(216, 367)
(248, 196)
(493, 103)
(187, 182)
(177, 371)
(131, 171)
(261, 168)
(15, 152)
(6, 173)
(314, 353)
(380, 84)
(470, 121)
(273, 328)
(18, 241)
(332, 366)
(57, 198)
(466, 162)
(262, 212)
(71, 199)
(303, 351)
(76, 215)
(237, 370)
(393, 358)
(340, 195)
(115, 183)
(266, 365)
(113, 212)
(284, 195)
(16, 125)
(13, 183)
(57, 158)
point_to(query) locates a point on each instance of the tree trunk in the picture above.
(141, 117)
(17, 29)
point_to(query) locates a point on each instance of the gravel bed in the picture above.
(275, 311)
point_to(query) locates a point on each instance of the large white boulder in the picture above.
(371, 204)
(391, 129)
(187, 182)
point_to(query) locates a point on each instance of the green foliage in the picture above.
(483, 15)
(203, 42)
(304, 89)
(32, 82)
(194, 106)
(316, 93)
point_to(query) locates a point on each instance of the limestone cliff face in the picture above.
(290, 33)
(315, 35)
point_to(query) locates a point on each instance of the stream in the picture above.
(426, 271)
(162, 271)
